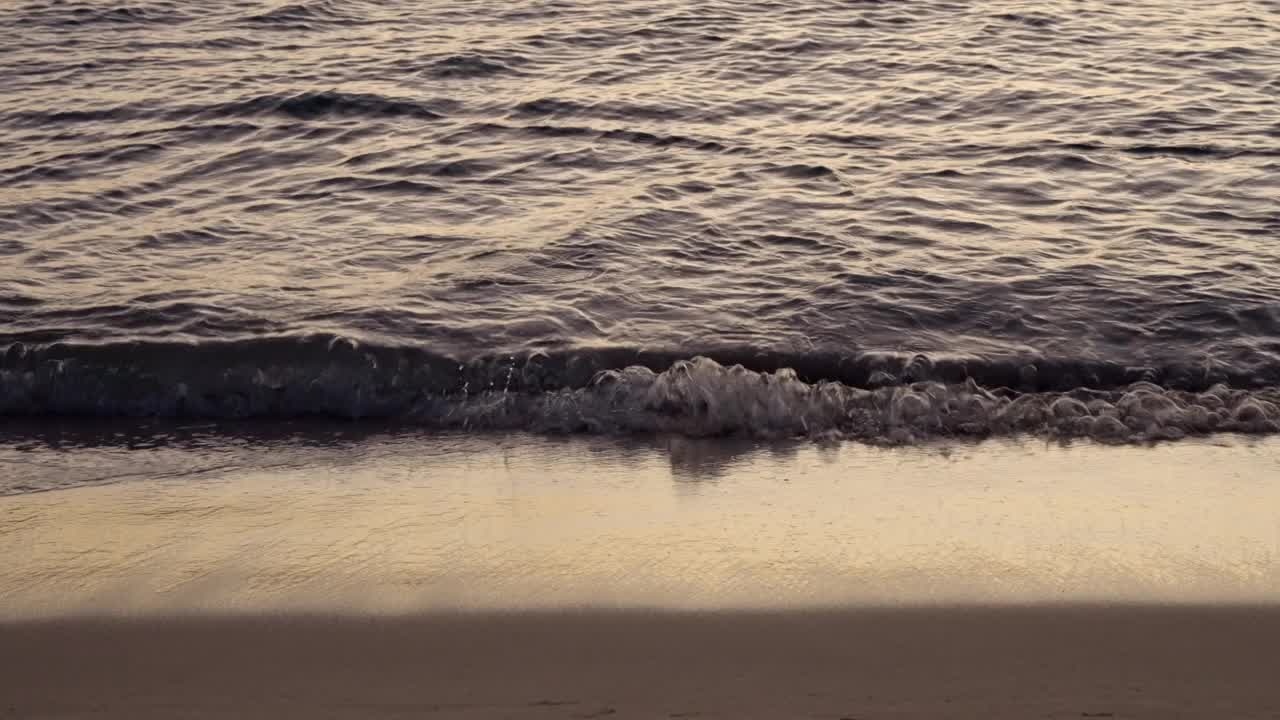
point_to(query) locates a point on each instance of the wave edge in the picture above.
(867, 396)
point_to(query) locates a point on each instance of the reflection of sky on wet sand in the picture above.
(400, 522)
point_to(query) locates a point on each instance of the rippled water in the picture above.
(192, 520)
(421, 209)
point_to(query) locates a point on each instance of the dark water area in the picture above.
(900, 219)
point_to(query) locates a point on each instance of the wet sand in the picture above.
(488, 577)
(402, 524)
(1029, 662)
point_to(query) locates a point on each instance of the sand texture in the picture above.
(1133, 662)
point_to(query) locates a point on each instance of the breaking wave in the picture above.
(870, 396)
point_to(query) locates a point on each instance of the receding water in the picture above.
(460, 213)
(328, 520)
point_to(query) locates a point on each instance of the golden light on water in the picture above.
(415, 524)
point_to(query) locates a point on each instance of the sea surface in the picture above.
(879, 220)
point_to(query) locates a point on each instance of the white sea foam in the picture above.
(695, 397)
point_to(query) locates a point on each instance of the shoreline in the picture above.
(410, 576)
(402, 524)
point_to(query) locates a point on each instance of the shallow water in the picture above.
(332, 520)
(389, 208)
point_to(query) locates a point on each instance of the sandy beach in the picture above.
(641, 359)
(1134, 662)
(487, 577)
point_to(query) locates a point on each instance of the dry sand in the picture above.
(1137, 662)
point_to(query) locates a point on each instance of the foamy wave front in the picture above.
(700, 397)
(695, 397)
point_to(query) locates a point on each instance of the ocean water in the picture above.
(860, 219)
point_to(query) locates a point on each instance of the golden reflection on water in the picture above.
(411, 524)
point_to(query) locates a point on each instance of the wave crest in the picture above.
(700, 397)
(594, 393)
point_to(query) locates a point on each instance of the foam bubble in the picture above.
(700, 397)
(695, 397)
